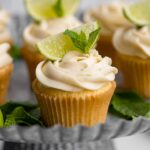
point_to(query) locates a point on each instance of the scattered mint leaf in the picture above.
(10, 106)
(130, 105)
(81, 41)
(58, 8)
(21, 117)
(15, 52)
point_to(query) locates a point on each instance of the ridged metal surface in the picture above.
(112, 129)
(68, 146)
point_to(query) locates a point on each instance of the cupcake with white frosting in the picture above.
(111, 17)
(34, 32)
(6, 68)
(76, 87)
(133, 58)
(4, 32)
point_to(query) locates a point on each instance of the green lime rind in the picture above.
(138, 13)
(55, 47)
(1, 119)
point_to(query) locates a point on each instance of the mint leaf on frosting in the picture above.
(58, 8)
(81, 41)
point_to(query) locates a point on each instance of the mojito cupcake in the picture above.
(133, 58)
(110, 17)
(48, 25)
(133, 49)
(6, 68)
(4, 32)
(74, 86)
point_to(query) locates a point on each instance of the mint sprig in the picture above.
(20, 114)
(21, 117)
(58, 8)
(81, 41)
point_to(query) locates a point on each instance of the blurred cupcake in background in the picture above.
(75, 84)
(6, 68)
(4, 31)
(110, 16)
(58, 20)
(133, 58)
(133, 49)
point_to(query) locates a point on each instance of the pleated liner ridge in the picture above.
(136, 73)
(5, 73)
(70, 108)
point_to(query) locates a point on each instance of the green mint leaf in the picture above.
(15, 52)
(10, 106)
(21, 117)
(129, 104)
(92, 39)
(81, 41)
(58, 8)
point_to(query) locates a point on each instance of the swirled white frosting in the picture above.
(5, 58)
(34, 33)
(133, 42)
(76, 71)
(109, 15)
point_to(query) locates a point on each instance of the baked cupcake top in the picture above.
(5, 58)
(133, 41)
(110, 17)
(77, 71)
(36, 32)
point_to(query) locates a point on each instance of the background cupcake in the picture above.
(6, 68)
(110, 17)
(77, 88)
(4, 32)
(33, 33)
(133, 58)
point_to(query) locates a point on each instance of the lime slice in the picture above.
(46, 9)
(55, 47)
(138, 13)
(1, 119)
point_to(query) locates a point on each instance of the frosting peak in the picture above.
(5, 58)
(77, 71)
(133, 42)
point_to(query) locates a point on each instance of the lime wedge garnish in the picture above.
(46, 9)
(56, 46)
(138, 13)
(1, 119)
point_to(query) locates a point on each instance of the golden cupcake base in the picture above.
(32, 59)
(5, 73)
(71, 108)
(136, 73)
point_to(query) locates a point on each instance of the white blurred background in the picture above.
(16, 8)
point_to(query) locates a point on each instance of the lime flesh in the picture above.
(44, 9)
(55, 47)
(138, 13)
